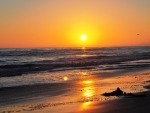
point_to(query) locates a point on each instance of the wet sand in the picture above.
(23, 94)
(127, 105)
(82, 97)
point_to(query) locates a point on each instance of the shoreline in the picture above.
(38, 98)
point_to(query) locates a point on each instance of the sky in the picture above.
(61, 23)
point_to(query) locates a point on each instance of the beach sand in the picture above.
(83, 96)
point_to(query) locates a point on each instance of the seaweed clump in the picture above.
(118, 92)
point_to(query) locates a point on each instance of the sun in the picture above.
(83, 38)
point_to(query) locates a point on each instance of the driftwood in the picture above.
(119, 92)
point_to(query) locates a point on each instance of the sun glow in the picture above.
(83, 38)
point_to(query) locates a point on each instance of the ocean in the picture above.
(19, 67)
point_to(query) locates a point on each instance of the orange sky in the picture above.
(61, 23)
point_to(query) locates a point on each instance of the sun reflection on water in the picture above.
(83, 48)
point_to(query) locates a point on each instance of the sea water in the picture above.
(33, 66)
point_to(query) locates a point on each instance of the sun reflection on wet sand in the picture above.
(87, 92)
(88, 89)
(86, 105)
